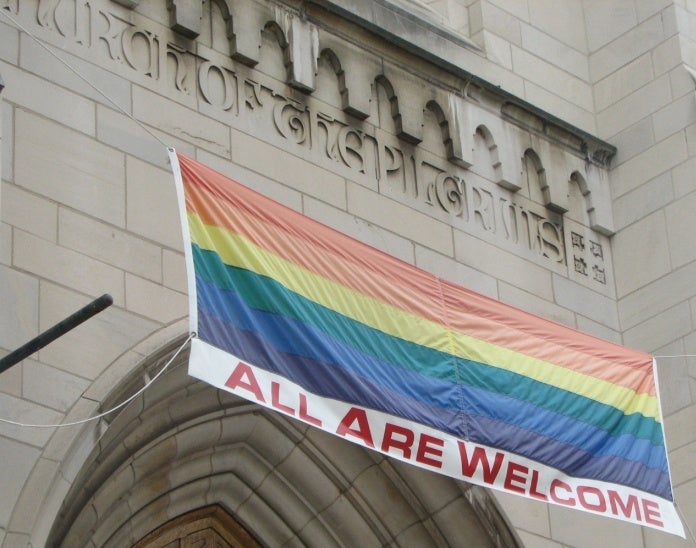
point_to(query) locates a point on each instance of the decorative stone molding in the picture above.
(185, 17)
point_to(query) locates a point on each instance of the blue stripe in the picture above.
(305, 340)
(344, 385)
(266, 294)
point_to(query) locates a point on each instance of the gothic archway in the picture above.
(184, 447)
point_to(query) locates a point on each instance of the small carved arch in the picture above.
(494, 156)
(577, 178)
(276, 37)
(383, 82)
(536, 182)
(330, 59)
(444, 125)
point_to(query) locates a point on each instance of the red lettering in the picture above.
(512, 477)
(363, 430)
(304, 415)
(479, 457)
(533, 490)
(570, 501)
(651, 511)
(627, 509)
(236, 380)
(392, 430)
(275, 400)
(429, 445)
(599, 506)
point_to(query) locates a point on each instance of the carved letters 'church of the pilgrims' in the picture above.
(540, 152)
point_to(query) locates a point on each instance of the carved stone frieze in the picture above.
(476, 175)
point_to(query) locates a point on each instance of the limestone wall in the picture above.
(474, 139)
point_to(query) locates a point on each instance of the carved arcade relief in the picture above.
(490, 200)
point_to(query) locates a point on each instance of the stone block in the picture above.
(179, 121)
(152, 210)
(18, 460)
(657, 296)
(597, 329)
(89, 348)
(486, 15)
(31, 213)
(560, 20)
(25, 412)
(343, 516)
(154, 301)
(361, 230)
(526, 514)
(643, 243)
(7, 137)
(46, 163)
(648, 8)
(36, 60)
(39, 384)
(582, 300)
(174, 271)
(33, 495)
(539, 96)
(621, 83)
(278, 190)
(456, 272)
(458, 516)
(660, 329)
(634, 107)
(667, 56)
(5, 244)
(386, 213)
(554, 51)
(648, 165)
(19, 295)
(606, 20)
(643, 201)
(676, 116)
(583, 530)
(48, 99)
(632, 141)
(9, 43)
(534, 541)
(621, 51)
(531, 303)
(497, 49)
(680, 227)
(67, 267)
(122, 133)
(554, 79)
(682, 463)
(502, 265)
(288, 169)
(109, 244)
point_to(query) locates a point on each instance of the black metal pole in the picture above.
(58, 330)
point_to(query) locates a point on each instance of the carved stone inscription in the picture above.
(265, 108)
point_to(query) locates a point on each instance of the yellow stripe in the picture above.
(237, 251)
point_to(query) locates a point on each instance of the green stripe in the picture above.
(266, 294)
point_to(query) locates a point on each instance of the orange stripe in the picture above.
(335, 256)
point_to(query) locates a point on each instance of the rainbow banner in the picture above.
(307, 321)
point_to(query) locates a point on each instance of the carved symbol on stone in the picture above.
(596, 249)
(225, 99)
(181, 70)
(46, 14)
(140, 50)
(350, 145)
(577, 240)
(112, 34)
(448, 191)
(599, 274)
(291, 121)
(9, 5)
(580, 265)
(252, 94)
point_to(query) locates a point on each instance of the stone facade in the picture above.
(536, 151)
